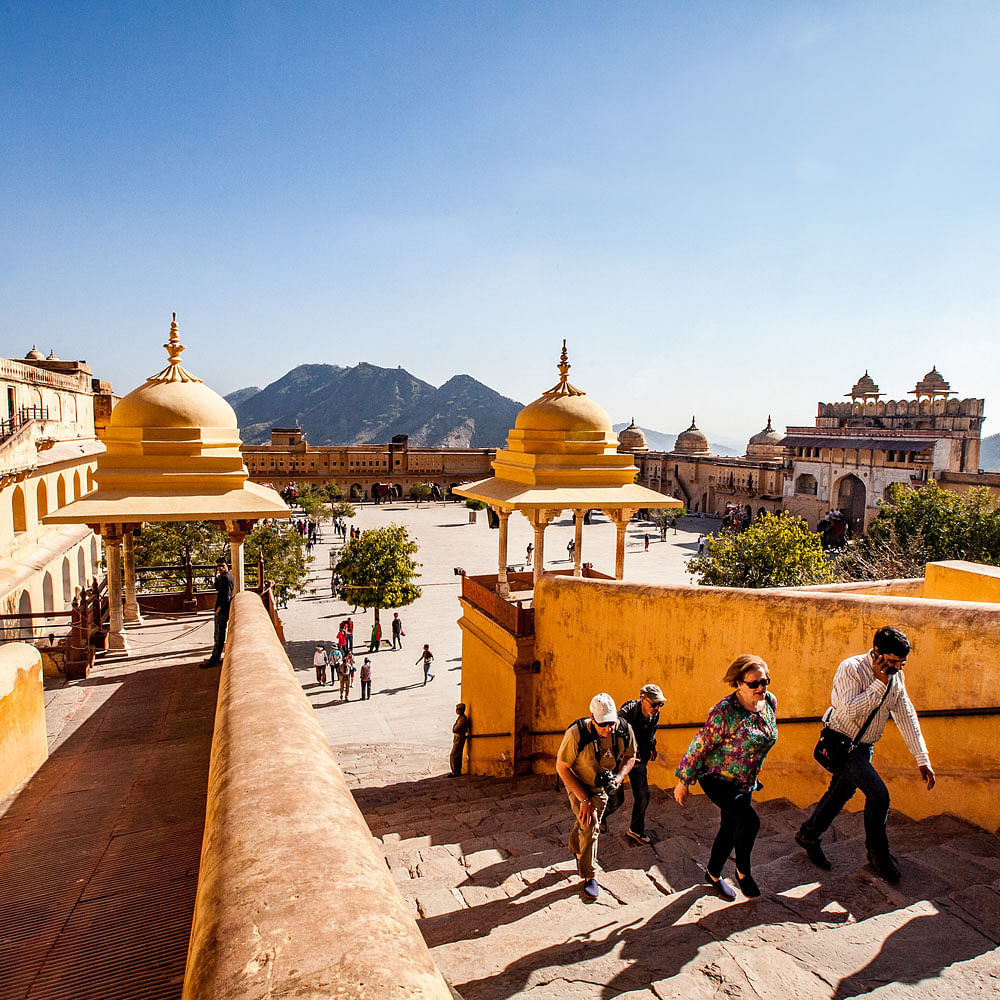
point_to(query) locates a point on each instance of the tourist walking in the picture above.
(366, 679)
(224, 587)
(570, 549)
(346, 674)
(643, 715)
(646, 542)
(349, 634)
(336, 662)
(595, 755)
(867, 689)
(376, 638)
(528, 553)
(342, 639)
(725, 758)
(320, 661)
(460, 732)
(427, 658)
(397, 631)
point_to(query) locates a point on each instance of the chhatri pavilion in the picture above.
(173, 454)
(562, 454)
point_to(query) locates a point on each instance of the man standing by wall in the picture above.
(461, 733)
(224, 586)
(643, 715)
(866, 684)
(595, 755)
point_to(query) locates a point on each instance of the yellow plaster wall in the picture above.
(962, 581)
(23, 746)
(611, 636)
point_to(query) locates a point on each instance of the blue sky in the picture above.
(728, 209)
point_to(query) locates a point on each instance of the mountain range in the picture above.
(659, 441)
(989, 454)
(367, 404)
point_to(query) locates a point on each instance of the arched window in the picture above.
(20, 515)
(24, 629)
(90, 480)
(81, 567)
(94, 555)
(60, 492)
(48, 597)
(77, 485)
(67, 580)
(806, 485)
(42, 497)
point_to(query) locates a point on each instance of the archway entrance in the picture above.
(851, 494)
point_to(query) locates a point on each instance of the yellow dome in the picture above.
(173, 433)
(173, 404)
(563, 413)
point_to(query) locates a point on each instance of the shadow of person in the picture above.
(920, 949)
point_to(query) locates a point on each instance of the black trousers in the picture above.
(857, 773)
(739, 825)
(366, 689)
(221, 624)
(640, 798)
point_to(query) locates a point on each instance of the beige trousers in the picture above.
(583, 839)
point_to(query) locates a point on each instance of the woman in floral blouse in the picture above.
(725, 758)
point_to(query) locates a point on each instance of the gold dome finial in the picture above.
(174, 372)
(563, 387)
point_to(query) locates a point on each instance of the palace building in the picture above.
(53, 412)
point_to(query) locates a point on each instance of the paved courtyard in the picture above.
(401, 709)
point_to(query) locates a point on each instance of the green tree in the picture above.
(420, 491)
(340, 508)
(377, 569)
(777, 550)
(475, 504)
(917, 526)
(283, 551)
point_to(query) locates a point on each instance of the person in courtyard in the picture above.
(366, 679)
(528, 553)
(342, 638)
(867, 689)
(320, 660)
(595, 755)
(336, 659)
(643, 715)
(349, 634)
(346, 674)
(645, 539)
(725, 758)
(426, 657)
(570, 549)
(376, 637)
(224, 587)
(397, 631)
(460, 732)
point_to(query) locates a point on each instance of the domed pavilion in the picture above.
(691, 442)
(766, 443)
(173, 454)
(562, 454)
(631, 439)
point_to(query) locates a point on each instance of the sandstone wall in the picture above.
(23, 746)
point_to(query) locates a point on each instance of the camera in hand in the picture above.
(605, 778)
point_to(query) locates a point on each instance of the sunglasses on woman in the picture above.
(757, 685)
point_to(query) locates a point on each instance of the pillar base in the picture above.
(133, 616)
(117, 643)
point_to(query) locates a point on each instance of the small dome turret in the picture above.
(34, 354)
(765, 443)
(691, 441)
(631, 439)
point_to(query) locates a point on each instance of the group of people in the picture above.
(598, 752)
(342, 670)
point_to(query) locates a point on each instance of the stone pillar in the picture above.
(578, 543)
(237, 531)
(503, 589)
(621, 517)
(132, 614)
(539, 520)
(112, 534)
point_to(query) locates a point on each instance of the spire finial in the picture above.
(173, 372)
(769, 427)
(563, 386)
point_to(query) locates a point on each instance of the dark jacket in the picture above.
(224, 586)
(644, 729)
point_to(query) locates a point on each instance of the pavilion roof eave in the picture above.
(250, 503)
(504, 494)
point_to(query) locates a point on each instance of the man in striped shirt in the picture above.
(862, 684)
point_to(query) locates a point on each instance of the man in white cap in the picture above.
(595, 755)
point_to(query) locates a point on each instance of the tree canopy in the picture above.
(776, 550)
(916, 526)
(377, 569)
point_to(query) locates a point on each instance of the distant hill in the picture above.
(367, 404)
(989, 455)
(242, 395)
(658, 441)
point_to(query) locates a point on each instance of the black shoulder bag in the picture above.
(833, 748)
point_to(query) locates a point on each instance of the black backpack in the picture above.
(621, 734)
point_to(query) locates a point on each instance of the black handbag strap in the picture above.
(878, 708)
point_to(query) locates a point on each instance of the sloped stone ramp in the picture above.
(484, 866)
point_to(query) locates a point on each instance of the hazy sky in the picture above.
(728, 209)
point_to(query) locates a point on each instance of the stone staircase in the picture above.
(483, 864)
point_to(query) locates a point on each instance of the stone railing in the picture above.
(294, 898)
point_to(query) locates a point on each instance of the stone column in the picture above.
(237, 533)
(578, 543)
(621, 517)
(132, 614)
(503, 589)
(539, 520)
(112, 534)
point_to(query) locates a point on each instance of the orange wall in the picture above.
(23, 746)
